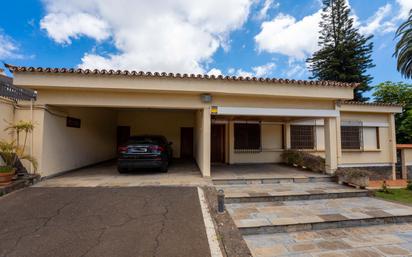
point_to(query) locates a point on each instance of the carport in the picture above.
(79, 136)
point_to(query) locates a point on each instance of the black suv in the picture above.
(145, 151)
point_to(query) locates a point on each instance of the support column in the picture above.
(287, 136)
(392, 144)
(231, 141)
(338, 140)
(403, 163)
(206, 131)
(331, 146)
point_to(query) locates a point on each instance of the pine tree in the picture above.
(345, 54)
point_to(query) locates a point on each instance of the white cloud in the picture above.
(61, 26)
(215, 72)
(295, 69)
(376, 23)
(263, 12)
(298, 39)
(8, 47)
(179, 36)
(242, 73)
(405, 8)
(285, 35)
(264, 70)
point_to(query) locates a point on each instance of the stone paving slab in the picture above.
(288, 191)
(382, 240)
(316, 214)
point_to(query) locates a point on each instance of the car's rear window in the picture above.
(145, 140)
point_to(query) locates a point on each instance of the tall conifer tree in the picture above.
(345, 54)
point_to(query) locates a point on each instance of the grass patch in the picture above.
(397, 195)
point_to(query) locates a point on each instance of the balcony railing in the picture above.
(8, 90)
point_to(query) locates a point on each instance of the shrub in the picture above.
(409, 186)
(304, 159)
(291, 157)
(12, 151)
(6, 169)
(384, 188)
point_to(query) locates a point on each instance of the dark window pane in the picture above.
(351, 137)
(247, 136)
(302, 137)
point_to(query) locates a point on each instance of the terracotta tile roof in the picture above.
(404, 146)
(13, 68)
(371, 103)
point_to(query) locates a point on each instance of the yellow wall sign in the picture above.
(214, 110)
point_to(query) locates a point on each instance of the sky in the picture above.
(262, 38)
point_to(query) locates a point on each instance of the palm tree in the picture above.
(403, 50)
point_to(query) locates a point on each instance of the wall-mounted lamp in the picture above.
(206, 98)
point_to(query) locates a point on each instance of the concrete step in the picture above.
(296, 197)
(272, 180)
(306, 215)
(288, 192)
(271, 229)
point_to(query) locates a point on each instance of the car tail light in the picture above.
(156, 148)
(122, 149)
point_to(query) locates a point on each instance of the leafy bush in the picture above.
(6, 169)
(409, 186)
(12, 151)
(304, 159)
(384, 188)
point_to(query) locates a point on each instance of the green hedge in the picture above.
(304, 159)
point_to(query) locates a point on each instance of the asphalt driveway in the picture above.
(128, 221)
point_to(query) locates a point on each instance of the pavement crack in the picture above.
(44, 224)
(98, 241)
(157, 238)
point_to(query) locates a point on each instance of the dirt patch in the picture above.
(230, 238)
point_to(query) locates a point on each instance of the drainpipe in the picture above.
(31, 135)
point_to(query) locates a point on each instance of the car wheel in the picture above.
(121, 170)
(165, 167)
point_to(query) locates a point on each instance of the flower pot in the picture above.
(6, 177)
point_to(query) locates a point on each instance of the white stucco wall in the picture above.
(66, 148)
(6, 115)
(371, 154)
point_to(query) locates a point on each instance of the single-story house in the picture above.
(81, 115)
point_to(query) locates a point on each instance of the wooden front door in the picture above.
(218, 143)
(123, 133)
(186, 143)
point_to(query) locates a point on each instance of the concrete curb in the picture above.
(210, 228)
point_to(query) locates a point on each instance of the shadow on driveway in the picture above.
(127, 221)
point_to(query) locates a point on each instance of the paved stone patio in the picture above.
(341, 222)
(382, 240)
(313, 211)
(106, 175)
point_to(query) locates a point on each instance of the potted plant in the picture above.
(11, 152)
(356, 177)
(6, 165)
